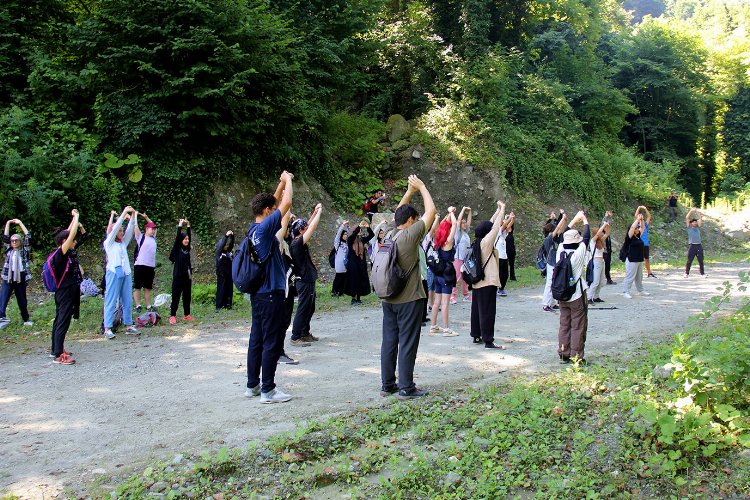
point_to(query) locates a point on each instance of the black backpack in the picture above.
(138, 247)
(625, 248)
(248, 271)
(332, 257)
(563, 281)
(433, 260)
(471, 271)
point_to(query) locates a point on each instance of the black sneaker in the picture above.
(591, 302)
(564, 359)
(287, 360)
(493, 345)
(404, 394)
(610, 282)
(652, 275)
(476, 340)
(598, 300)
(388, 390)
(138, 309)
(149, 308)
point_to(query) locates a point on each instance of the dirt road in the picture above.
(135, 399)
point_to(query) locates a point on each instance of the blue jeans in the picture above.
(266, 338)
(118, 287)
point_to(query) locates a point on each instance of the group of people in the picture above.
(434, 250)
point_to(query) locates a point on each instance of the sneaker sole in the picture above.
(271, 401)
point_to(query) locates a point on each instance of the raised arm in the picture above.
(687, 217)
(700, 219)
(7, 227)
(375, 232)
(416, 184)
(72, 231)
(116, 226)
(128, 235)
(136, 229)
(286, 199)
(499, 213)
(562, 224)
(632, 229)
(461, 215)
(454, 226)
(312, 224)
(284, 224)
(648, 214)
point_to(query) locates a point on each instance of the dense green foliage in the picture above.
(102, 104)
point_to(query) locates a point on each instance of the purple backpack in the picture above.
(51, 283)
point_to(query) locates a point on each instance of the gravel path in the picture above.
(134, 399)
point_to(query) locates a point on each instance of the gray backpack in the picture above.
(388, 278)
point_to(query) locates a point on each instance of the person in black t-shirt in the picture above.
(182, 272)
(672, 201)
(307, 274)
(634, 259)
(67, 295)
(224, 284)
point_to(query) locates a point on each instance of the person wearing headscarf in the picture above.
(357, 278)
(16, 272)
(224, 284)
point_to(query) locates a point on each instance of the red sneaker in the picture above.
(64, 359)
(189, 318)
(172, 320)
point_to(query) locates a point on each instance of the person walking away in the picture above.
(695, 247)
(224, 284)
(634, 259)
(608, 248)
(672, 204)
(445, 274)
(182, 272)
(484, 301)
(597, 251)
(266, 341)
(144, 265)
(357, 277)
(574, 312)
(644, 238)
(118, 276)
(553, 234)
(510, 248)
(402, 313)
(16, 272)
(67, 295)
(307, 275)
(372, 205)
(342, 254)
(502, 252)
(462, 244)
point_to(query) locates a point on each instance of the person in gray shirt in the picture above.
(695, 248)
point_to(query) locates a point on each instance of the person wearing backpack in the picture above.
(307, 275)
(484, 300)
(402, 313)
(574, 311)
(182, 272)
(118, 276)
(427, 244)
(634, 255)
(597, 250)
(223, 259)
(342, 252)
(144, 262)
(373, 204)
(445, 273)
(266, 342)
(553, 234)
(16, 272)
(66, 275)
(462, 243)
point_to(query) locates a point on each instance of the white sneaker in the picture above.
(434, 330)
(4, 322)
(447, 332)
(251, 392)
(275, 396)
(28, 323)
(627, 295)
(644, 293)
(108, 334)
(131, 330)
(467, 298)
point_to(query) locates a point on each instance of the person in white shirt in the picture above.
(502, 252)
(574, 312)
(462, 244)
(597, 250)
(118, 276)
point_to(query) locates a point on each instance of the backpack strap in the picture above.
(394, 242)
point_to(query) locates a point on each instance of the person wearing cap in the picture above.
(695, 247)
(16, 272)
(634, 258)
(553, 233)
(224, 284)
(574, 312)
(307, 275)
(144, 267)
(484, 300)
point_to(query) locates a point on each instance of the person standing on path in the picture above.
(462, 244)
(552, 238)
(372, 205)
(182, 272)
(402, 313)
(16, 272)
(608, 248)
(266, 340)
(634, 255)
(484, 302)
(342, 254)
(445, 273)
(502, 253)
(695, 247)
(119, 277)
(67, 295)
(144, 265)
(307, 275)
(224, 284)
(427, 244)
(574, 312)
(357, 277)
(644, 238)
(597, 251)
(284, 237)
(510, 248)
(672, 204)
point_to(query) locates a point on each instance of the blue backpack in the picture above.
(248, 271)
(51, 283)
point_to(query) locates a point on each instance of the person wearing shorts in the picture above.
(144, 267)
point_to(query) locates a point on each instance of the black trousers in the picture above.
(339, 284)
(512, 263)
(424, 308)
(181, 286)
(503, 273)
(305, 309)
(483, 310)
(19, 288)
(401, 326)
(693, 252)
(67, 304)
(266, 338)
(607, 265)
(224, 292)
